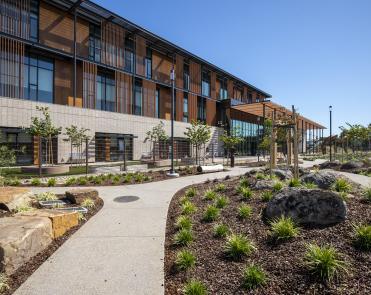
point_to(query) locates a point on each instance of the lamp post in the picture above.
(172, 79)
(258, 138)
(330, 109)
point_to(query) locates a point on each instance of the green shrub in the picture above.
(244, 182)
(210, 195)
(246, 193)
(52, 181)
(184, 237)
(221, 201)
(238, 246)
(88, 203)
(188, 208)
(194, 287)
(99, 179)
(116, 179)
(254, 277)
(185, 260)
(267, 196)
(81, 217)
(277, 186)
(244, 211)
(70, 181)
(128, 178)
(260, 176)
(35, 181)
(220, 187)
(309, 185)
(211, 213)
(183, 222)
(83, 180)
(324, 261)
(139, 177)
(146, 178)
(342, 185)
(46, 196)
(15, 182)
(191, 192)
(283, 228)
(3, 283)
(294, 182)
(362, 235)
(367, 194)
(23, 208)
(220, 230)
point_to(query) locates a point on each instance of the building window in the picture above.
(205, 85)
(249, 99)
(148, 63)
(137, 106)
(95, 45)
(186, 76)
(257, 98)
(157, 103)
(129, 55)
(34, 20)
(38, 78)
(185, 107)
(106, 98)
(223, 93)
(201, 109)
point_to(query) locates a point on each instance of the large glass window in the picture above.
(250, 134)
(186, 76)
(38, 76)
(19, 141)
(95, 46)
(223, 93)
(129, 55)
(113, 147)
(185, 107)
(106, 98)
(148, 63)
(201, 109)
(205, 82)
(157, 103)
(137, 106)
(34, 20)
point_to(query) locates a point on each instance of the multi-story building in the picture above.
(97, 70)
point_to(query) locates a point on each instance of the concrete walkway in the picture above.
(121, 249)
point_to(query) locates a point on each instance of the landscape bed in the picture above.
(282, 262)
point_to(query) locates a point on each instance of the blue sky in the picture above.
(308, 53)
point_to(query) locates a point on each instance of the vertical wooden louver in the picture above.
(179, 105)
(230, 88)
(113, 37)
(195, 77)
(149, 89)
(179, 71)
(213, 85)
(192, 107)
(124, 90)
(89, 84)
(140, 48)
(14, 17)
(11, 68)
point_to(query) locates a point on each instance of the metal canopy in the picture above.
(267, 108)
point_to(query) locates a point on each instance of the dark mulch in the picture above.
(21, 275)
(283, 261)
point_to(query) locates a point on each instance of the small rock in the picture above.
(283, 174)
(77, 196)
(264, 184)
(323, 179)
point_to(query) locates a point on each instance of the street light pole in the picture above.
(330, 109)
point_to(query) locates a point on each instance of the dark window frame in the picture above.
(138, 83)
(95, 43)
(201, 109)
(34, 20)
(185, 113)
(129, 51)
(157, 103)
(186, 77)
(107, 105)
(205, 80)
(148, 63)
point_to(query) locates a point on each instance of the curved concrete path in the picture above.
(121, 249)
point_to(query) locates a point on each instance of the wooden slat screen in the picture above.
(89, 84)
(213, 85)
(192, 107)
(63, 76)
(195, 77)
(230, 88)
(179, 71)
(82, 37)
(161, 67)
(149, 89)
(11, 68)
(124, 90)
(179, 105)
(217, 88)
(14, 17)
(113, 37)
(211, 112)
(140, 48)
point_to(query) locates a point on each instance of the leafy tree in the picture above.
(231, 140)
(76, 137)
(156, 135)
(198, 134)
(357, 135)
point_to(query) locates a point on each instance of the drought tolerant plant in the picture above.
(46, 196)
(211, 213)
(128, 178)
(51, 182)
(185, 260)
(244, 211)
(210, 195)
(342, 185)
(324, 261)
(97, 179)
(277, 186)
(245, 192)
(191, 192)
(184, 237)
(70, 181)
(88, 203)
(23, 208)
(221, 201)
(220, 187)
(267, 196)
(253, 277)
(81, 217)
(139, 177)
(15, 182)
(220, 230)
(238, 246)
(294, 182)
(260, 176)
(367, 194)
(244, 182)
(3, 283)
(35, 181)
(116, 179)
(183, 222)
(188, 208)
(343, 196)
(194, 287)
(309, 185)
(362, 237)
(283, 228)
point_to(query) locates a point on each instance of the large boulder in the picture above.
(77, 196)
(323, 179)
(352, 165)
(330, 165)
(308, 207)
(283, 174)
(12, 197)
(21, 238)
(264, 184)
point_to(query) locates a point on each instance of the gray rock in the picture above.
(283, 174)
(263, 184)
(330, 165)
(308, 207)
(351, 165)
(323, 179)
(21, 238)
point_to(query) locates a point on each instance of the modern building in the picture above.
(97, 70)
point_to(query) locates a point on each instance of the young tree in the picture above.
(230, 140)
(76, 137)
(198, 135)
(156, 135)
